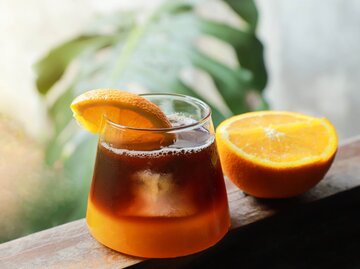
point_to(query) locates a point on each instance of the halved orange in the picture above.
(276, 154)
(125, 110)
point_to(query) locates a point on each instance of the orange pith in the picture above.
(274, 154)
(124, 109)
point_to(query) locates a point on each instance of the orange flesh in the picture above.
(281, 138)
(283, 143)
(264, 121)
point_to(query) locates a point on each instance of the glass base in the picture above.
(159, 237)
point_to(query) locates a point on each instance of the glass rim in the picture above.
(193, 125)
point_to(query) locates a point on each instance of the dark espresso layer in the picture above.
(176, 181)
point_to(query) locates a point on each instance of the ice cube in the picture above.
(156, 195)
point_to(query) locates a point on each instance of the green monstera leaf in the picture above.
(159, 52)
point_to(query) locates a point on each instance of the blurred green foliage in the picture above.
(151, 52)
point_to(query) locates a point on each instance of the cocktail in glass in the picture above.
(159, 201)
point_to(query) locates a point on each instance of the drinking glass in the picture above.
(159, 192)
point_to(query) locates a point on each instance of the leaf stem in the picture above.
(126, 52)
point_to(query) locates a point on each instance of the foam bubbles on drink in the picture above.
(179, 119)
(188, 141)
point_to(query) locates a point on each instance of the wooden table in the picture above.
(320, 228)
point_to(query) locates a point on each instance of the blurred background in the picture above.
(236, 55)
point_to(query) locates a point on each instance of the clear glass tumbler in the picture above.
(159, 192)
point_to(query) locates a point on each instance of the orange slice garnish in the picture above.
(274, 154)
(121, 110)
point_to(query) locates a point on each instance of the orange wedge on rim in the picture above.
(121, 110)
(275, 154)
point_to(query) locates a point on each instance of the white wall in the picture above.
(313, 58)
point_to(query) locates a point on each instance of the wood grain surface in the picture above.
(71, 246)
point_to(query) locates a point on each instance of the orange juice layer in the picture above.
(159, 237)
